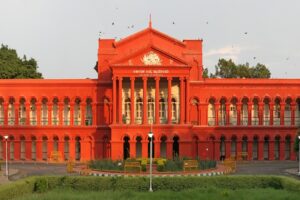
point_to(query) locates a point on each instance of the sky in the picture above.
(62, 34)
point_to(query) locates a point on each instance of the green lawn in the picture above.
(206, 194)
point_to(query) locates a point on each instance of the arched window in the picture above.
(244, 117)
(22, 112)
(12, 147)
(287, 147)
(276, 112)
(44, 112)
(32, 113)
(77, 148)
(277, 147)
(66, 148)
(11, 112)
(245, 147)
(222, 113)
(126, 148)
(23, 148)
(126, 116)
(55, 118)
(266, 112)
(174, 111)
(176, 147)
(66, 115)
(194, 112)
(287, 112)
(233, 147)
(45, 148)
(233, 112)
(162, 111)
(211, 113)
(139, 110)
(138, 147)
(77, 112)
(255, 148)
(55, 143)
(297, 112)
(222, 148)
(88, 113)
(1, 112)
(151, 115)
(266, 148)
(163, 147)
(254, 114)
(33, 148)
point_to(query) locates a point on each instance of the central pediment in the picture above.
(150, 56)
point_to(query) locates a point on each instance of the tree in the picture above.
(296, 143)
(228, 69)
(14, 67)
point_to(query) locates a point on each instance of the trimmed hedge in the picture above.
(47, 183)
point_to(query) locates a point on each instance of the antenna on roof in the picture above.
(150, 21)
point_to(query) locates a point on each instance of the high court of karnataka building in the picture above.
(149, 80)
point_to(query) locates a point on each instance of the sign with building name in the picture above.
(150, 72)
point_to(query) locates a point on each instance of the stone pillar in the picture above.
(132, 103)
(203, 114)
(187, 102)
(260, 149)
(114, 100)
(181, 100)
(120, 100)
(157, 100)
(145, 105)
(169, 100)
(282, 106)
(282, 149)
(238, 108)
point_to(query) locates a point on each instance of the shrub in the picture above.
(106, 164)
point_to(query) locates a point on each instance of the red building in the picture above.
(149, 78)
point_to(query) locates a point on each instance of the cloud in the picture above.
(227, 52)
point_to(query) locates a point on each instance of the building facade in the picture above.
(149, 81)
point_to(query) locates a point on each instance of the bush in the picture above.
(47, 183)
(207, 164)
(106, 164)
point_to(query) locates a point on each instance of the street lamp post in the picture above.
(6, 165)
(150, 135)
(299, 154)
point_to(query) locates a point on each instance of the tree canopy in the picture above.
(228, 69)
(14, 67)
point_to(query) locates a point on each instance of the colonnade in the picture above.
(157, 118)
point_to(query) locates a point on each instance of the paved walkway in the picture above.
(251, 168)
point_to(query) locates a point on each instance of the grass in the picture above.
(197, 193)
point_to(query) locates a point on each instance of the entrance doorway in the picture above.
(126, 148)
